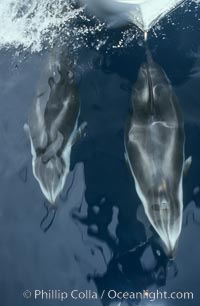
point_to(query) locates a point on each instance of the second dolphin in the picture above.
(53, 127)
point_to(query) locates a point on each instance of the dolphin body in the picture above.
(53, 129)
(154, 145)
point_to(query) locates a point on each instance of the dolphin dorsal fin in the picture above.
(187, 165)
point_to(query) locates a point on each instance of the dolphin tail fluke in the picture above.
(172, 269)
(50, 215)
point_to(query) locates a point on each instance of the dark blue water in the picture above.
(96, 241)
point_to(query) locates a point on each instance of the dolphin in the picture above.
(53, 128)
(154, 149)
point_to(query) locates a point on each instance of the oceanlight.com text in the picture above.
(112, 295)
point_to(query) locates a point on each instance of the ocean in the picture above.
(96, 249)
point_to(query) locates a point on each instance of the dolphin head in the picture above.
(150, 72)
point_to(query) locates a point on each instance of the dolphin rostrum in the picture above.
(154, 145)
(53, 128)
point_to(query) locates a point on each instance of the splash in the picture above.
(35, 25)
(143, 13)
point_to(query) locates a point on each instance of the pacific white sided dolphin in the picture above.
(53, 128)
(154, 144)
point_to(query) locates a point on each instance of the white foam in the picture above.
(35, 24)
(143, 13)
(31, 23)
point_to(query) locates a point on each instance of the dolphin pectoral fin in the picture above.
(82, 128)
(127, 163)
(187, 165)
(28, 134)
(126, 157)
(126, 160)
(27, 130)
(80, 132)
(53, 148)
(48, 219)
